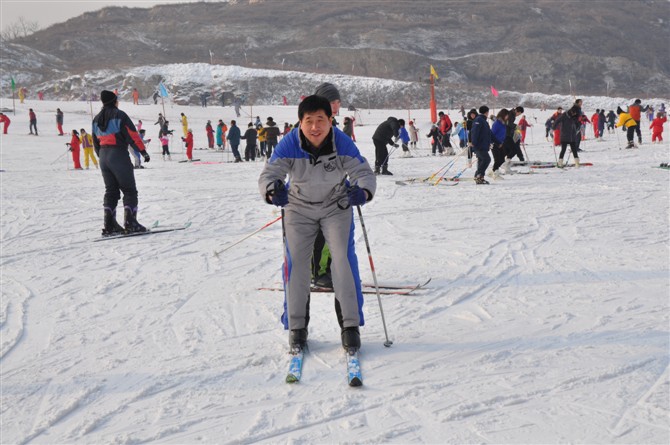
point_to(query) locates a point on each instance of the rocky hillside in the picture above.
(614, 47)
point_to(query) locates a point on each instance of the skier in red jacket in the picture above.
(74, 145)
(523, 126)
(189, 144)
(5, 120)
(594, 121)
(656, 127)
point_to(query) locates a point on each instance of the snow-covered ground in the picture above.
(546, 320)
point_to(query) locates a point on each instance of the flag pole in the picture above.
(433, 104)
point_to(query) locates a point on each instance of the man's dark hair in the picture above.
(312, 104)
(519, 109)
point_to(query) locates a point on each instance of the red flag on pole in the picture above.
(494, 91)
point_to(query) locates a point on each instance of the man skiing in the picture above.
(112, 132)
(318, 159)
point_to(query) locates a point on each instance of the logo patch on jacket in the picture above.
(329, 166)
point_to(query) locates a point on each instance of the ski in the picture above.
(148, 232)
(295, 365)
(366, 291)
(399, 286)
(189, 160)
(354, 376)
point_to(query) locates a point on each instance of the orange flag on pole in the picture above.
(494, 91)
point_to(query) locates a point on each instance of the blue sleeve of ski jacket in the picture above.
(404, 136)
(498, 131)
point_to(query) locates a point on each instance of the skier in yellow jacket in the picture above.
(87, 144)
(184, 124)
(627, 121)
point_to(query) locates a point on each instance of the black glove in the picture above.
(396, 145)
(147, 158)
(357, 196)
(279, 194)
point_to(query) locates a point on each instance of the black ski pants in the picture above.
(498, 156)
(573, 148)
(119, 176)
(381, 154)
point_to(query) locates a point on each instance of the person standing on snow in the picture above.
(136, 97)
(234, 138)
(33, 121)
(627, 121)
(272, 133)
(250, 137)
(611, 120)
(318, 159)
(75, 145)
(481, 143)
(59, 121)
(165, 144)
(404, 137)
(112, 132)
(435, 141)
(261, 139)
(184, 124)
(656, 128)
(635, 112)
(569, 124)
(5, 122)
(445, 126)
(219, 134)
(601, 124)
(347, 128)
(498, 136)
(188, 140)
(523, 126)
(210, 134)
(387, 133)
(413, 134)
(87, 145)
(595, 117)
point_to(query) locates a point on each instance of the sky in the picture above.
(50, 12)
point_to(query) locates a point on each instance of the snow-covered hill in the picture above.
(546, 320)
(187, 81)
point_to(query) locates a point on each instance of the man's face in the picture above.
(335, 106)
(315, 126)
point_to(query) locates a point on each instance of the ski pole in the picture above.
(451, 165)
(388, 342)
(217, 253)
(285, 271)
(58, 158)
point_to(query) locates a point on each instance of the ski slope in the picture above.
(546, 320)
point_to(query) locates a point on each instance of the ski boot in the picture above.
(351, 338)
(324, 280)
(385, 171)
(130, 224)
(376, 170)
(480, 180)
(111, 227)
(297, 339)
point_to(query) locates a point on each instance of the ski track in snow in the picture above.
(546, 319)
